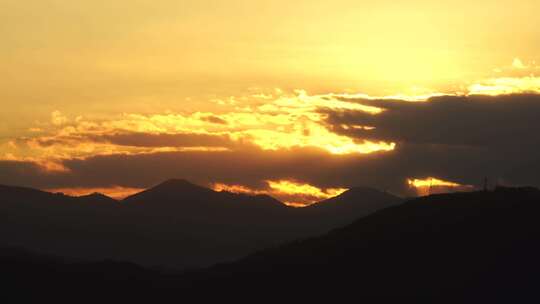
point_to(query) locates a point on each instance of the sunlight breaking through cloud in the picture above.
(290, 192)
(432, 185)
(274, 122)
(506, 85)
(116, 192)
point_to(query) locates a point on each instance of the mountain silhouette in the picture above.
(479, 247)
(347, 207)
(186, 198)
(31, 277)
(175, 223)
(173, 189)
(97, 197)
(447, 248)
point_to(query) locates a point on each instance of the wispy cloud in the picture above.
(290, 192)
(317, 144)
(432, 185)
(284, 122)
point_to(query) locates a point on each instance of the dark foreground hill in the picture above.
(174, 224)
(481, 247)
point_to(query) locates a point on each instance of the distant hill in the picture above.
(479, 247)
(97, 198)
(30, 277)
(349, 206)
(184, 199)
(447, 248)
(174, 224)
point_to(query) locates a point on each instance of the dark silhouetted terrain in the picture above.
(174, 224)
(480, 247)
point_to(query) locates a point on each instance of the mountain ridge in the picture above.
(444, 248)
(176, 223)
(174, 186)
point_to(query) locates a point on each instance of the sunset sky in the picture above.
(297, 99)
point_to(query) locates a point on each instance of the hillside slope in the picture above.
(174, 224)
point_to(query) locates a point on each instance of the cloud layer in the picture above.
(324, 142)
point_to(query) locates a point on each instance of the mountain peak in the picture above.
(359, 197)
(364, 191)
(97, 197)
(170, 189)
(177, 184)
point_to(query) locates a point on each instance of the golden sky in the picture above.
(150, 55)
(78, 76)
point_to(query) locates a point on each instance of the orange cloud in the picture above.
(46, 165)
(518, 64)
(305, 194)
(116, 192)
(270, 123)
(506, 85)
(58, 119)
(517, 78)
(237, 189)
(290, 192)
(432, 185)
